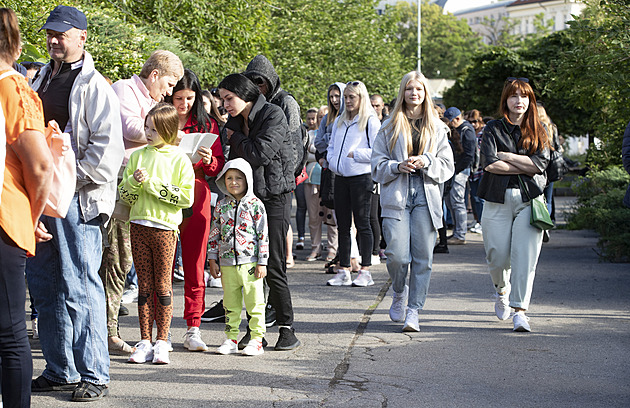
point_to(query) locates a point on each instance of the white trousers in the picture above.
(512, 247)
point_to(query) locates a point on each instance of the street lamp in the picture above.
(419, 34)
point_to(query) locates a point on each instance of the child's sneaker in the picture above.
(363, 279)
(254, 348)
(228, 347)
(160, 352)
(143, 352)
(192, 340)
(342, 278)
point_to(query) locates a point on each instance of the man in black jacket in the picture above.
(455, 200)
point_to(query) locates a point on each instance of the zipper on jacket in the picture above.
(342, 143)
(234, 232)
(50, 78)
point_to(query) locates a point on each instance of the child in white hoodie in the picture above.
(238, 253)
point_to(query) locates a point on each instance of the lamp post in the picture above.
(419, 34)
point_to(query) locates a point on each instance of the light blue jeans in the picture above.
(455, 201)
(410, 240)
(68, 291)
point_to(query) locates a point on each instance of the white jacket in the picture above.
(348, 138)
(97, 134)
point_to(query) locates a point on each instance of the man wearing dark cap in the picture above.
(63, 278)
(455, 200)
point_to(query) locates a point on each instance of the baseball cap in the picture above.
(63, 18)
(452, 112)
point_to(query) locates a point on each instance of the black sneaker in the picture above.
(215, 314)
(246, 338)
(270, 316)
(287, 340)
(440, 249)
(123, 311)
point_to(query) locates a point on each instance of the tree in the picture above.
(501, 32)
(447, 43)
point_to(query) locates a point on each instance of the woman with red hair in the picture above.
(514, 156)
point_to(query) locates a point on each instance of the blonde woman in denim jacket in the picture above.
(411, 160)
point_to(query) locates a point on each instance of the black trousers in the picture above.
(278, 217)
(353, 198)
(15, 350)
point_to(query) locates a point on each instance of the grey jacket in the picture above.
(97, 136)
(394, 184)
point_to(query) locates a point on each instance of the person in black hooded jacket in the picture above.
(257, 131)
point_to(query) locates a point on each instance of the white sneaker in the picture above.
(35, 328)
(160, 352)
(502, 305)
(214, 283)
(192, 340)
(130, 295)
(364, 279)
(254, 348)
(342, 278)
(411, 321)
(397, 309)
(228, 347)
(143, 352)
(376, 260)
(521, 322)
(476, 229)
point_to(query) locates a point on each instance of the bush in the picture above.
(600, 207)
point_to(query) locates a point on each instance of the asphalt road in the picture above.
(352, 355)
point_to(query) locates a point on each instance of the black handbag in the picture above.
(557, 167)
(327, 188)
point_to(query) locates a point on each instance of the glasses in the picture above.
(353, 83)
(473, 121)
(512, 79)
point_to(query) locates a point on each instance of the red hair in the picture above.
(533, 134)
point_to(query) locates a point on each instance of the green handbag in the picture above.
(539, 215)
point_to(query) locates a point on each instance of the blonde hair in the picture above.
(365, 107)
(165, 121)
(399, 123)
(165, 63)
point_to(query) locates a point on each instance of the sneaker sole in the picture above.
(196, 349)
(213, 319)
(287, 348)
(256, 353)
(410, 329)
(341, 284)
(362, 286)
(270, 324)
(228, 353)
(522, 329)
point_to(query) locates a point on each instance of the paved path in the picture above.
(352, 355)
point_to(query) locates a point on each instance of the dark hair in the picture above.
(215, 113)
(9, 34)
(197, 112)
(533, 135)
(241, 86)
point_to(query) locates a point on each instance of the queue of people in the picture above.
(230, 206)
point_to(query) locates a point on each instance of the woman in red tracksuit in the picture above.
(188, 100)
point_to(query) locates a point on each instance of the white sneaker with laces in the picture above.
(228, 347)
(476, 229)
(160, 352)
(502, 305)
(411, 321)
(397, 309)
(521, 322)
(342, 278)
(192, 340)
(143, 352)
(254, 348)
(130, 295)
(363, 279)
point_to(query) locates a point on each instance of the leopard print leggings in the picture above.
(153, 250)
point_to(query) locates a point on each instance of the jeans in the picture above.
(410, 241)
(457, 205)
(15, 351)
(476, 201)
(300, 213)
(353, 199)
(132, 277)
(512, 247)
(548, 193)
(278, 215)
(69, 296)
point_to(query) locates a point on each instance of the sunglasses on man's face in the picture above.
(512, 79)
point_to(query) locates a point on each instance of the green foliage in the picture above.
(500, 32)
(600, 207)
(447, 42)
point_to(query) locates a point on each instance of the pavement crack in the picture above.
(344, 365)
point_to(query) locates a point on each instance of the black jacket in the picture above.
(267, 148)
(502, 136)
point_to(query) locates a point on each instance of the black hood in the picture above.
(260, 65)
